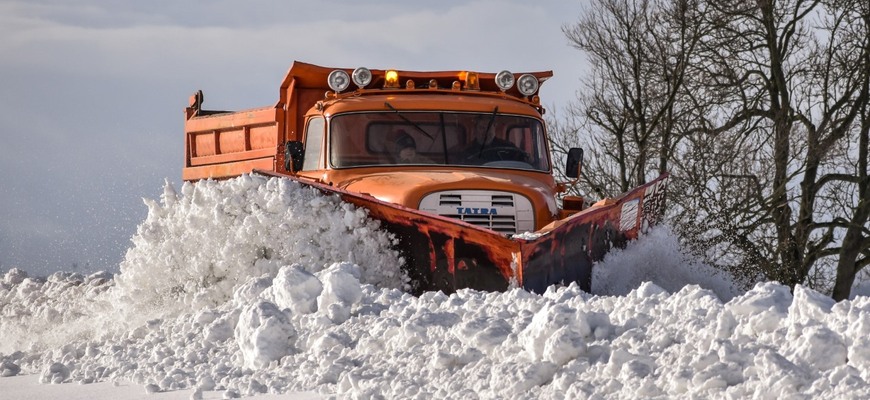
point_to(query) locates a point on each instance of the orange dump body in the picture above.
(447, 161)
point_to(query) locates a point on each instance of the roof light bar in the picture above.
(339, 80)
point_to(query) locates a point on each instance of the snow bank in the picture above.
(660, 259)
(310, 320)
(194, 249)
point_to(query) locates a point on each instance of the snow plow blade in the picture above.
(447, 254)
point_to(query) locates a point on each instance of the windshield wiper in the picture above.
(409, 122)
(444, 137)
(486, 133)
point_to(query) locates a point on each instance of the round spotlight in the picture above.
(527, 84)
(504, 80)
(338, 80)
(362, 77)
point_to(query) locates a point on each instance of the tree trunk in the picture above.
(853, 244)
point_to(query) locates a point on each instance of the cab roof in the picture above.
(309, 76)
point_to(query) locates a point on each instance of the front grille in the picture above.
(499, 223)
(503, 200)
(450, 200)
(498, 211)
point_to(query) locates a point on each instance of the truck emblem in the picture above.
(476, 211)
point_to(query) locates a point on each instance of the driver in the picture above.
(406, 150)
(486, 147)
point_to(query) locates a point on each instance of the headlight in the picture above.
(504, 80)
(527, 84)
(362, 77)
(338, 80)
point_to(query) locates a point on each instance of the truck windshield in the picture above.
(437, 138)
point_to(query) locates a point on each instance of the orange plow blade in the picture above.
(447, 254)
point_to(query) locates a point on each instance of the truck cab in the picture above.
(481, 160)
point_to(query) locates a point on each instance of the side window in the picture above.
(313, 144)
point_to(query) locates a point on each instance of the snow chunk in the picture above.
(763, 308)
(555, 333)
(55, 373)
(296, 289)
(14, 276)
(341, 290)
(809, 305)
(820, 348)
(8, 368)
(251, 290)
(264, 334)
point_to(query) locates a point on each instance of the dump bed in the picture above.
(224, 144)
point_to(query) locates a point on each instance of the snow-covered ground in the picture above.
(258, 286)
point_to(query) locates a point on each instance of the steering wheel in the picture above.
(503, 153)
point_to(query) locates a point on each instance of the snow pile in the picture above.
(193, 250)
(340, 328)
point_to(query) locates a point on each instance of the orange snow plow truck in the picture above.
(455, 164)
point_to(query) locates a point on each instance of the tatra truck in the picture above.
(455, 164)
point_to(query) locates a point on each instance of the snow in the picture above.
(257, 286)
(23, 387)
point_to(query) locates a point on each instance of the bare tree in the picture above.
(760, 109)
(800, 96)
(849, 24)
(639, 52)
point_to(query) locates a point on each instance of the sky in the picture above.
(91, 111)
(200, 311)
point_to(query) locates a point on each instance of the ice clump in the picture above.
(264, 334)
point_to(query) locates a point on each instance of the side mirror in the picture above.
(294, 154)
(574, 163)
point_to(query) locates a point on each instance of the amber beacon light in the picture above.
(391, 80)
